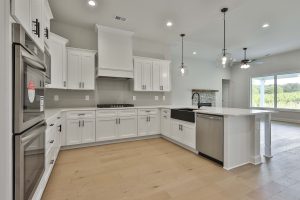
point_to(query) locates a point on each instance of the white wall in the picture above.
(201, 75)
(78, 37)
(108, 90)
(240, 80)
(5, 104)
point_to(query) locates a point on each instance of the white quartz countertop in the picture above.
(231, 111)
(205, 110)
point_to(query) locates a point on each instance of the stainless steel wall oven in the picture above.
(28, 121)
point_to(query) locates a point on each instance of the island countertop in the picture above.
(231, 111)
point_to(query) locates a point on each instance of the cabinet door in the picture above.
(106, 128)
(147, 76)
(74, 131)
(154, 124)
(37, 16)
(189, 136)
(88, 130)
(127, 127)
(165, 125)
(164, 76)
(20, 10)
(74, 70)
(138, 83)
(156, 77)
(88, 71)
(175, 130)
(143, 125)
(57, 64)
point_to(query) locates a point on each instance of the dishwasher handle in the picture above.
(212, 117)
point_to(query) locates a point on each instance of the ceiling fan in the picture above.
(245, 63)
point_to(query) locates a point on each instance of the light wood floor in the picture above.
(159, 170)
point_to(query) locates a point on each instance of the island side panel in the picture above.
(238, 140)
(268, 137)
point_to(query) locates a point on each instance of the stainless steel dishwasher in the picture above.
(210, 137)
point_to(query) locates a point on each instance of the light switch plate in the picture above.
(164, 98)
(56, 97)
(133, 98)
(87, 97)
(156, 98)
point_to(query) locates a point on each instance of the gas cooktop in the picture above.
(114, 105)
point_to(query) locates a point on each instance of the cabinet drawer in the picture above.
(107, 113)
(148, 111)
(127, 112)
(50, 137)
(80, 114)
(49, 160)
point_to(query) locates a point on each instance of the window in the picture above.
(278, 91)
(263, 92)
(288, 91)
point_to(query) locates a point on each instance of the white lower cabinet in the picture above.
(165, 122)
(127, 127)
(148, 122)
(52, 147)
(183, 132)
(73, 132)
(106, 128)
(81, 127)
(88, 130)
(116, 124)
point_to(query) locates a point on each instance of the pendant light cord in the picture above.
(224, 50)
(182, 51)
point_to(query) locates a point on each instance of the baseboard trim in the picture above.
(77, 146)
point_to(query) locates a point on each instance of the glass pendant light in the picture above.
(182, 68)
(245, 63)
(226, 59)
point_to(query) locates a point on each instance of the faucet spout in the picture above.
(199, 102)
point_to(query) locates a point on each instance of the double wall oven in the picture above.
(29, 125)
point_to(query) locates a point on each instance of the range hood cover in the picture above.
(115, 57)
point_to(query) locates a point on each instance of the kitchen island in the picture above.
(242, 130)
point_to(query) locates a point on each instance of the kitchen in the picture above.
(99, 98)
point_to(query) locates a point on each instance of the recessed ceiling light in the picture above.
(194, 53)
(92, 3)
(265, 25)
(169, 24)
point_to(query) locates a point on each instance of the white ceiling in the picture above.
(201, 20)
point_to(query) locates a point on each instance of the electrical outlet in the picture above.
(87, 97)
(164, 98)
(133, 98)
(56, 98)
(156, 98)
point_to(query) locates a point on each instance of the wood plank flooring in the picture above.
(159, 170)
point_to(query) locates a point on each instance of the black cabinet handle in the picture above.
(52, 141)
(46, 34)
(37, 27)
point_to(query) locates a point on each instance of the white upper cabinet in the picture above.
(31, 14)
(142, 75)
(37, 22)
(58, 51)
(114, 52)
(81, 69)
(20, 10)
(151, 74)
(47, 14)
